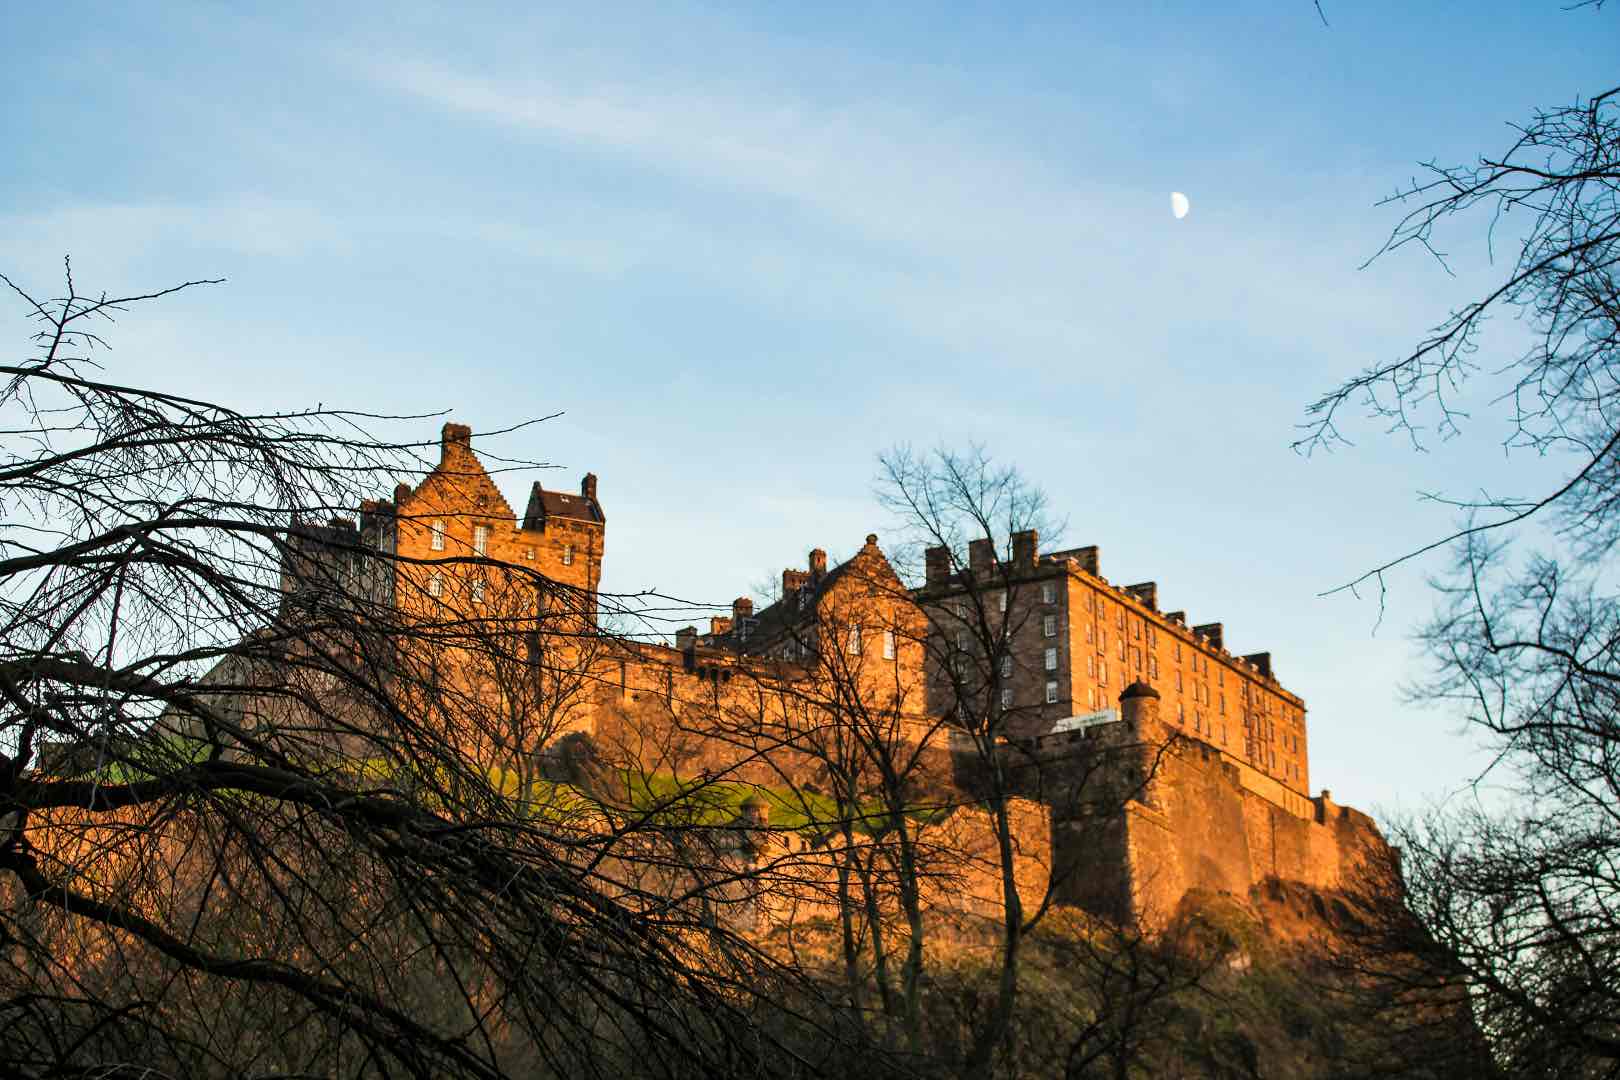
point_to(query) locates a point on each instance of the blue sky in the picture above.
(744, 249)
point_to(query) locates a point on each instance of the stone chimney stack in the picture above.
(401, 493)
(1024, 546)
(719, 624)
(1211, 632)
(686, 638)
(453, 435)
(1261, 662)
(982, 557)
(1147, 594)
(793, 581)
(587, 486)
(818, 564)
(1090, 559)
(741, 608)
(937, 565)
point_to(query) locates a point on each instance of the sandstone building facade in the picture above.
(1079, 666)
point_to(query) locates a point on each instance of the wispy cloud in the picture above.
(935, 225)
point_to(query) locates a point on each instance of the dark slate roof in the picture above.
(771, 623)
(545, 504)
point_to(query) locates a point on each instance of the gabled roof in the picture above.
(771, 623)
(544, 505)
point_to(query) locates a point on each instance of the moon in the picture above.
(1179, 205)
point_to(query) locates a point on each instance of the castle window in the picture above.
(1006, 667)
(1136, 629)
(804, 599)
(1178, 652)
(855, 639)
(528, 553)
(436, 528)
(1119, 619)
(888, 644)
(1178, 682)
(1051, 660)
(1181, 713)
(962, 640)
(480, 539)
(1049, 593)
(1091, 666)
(1091, 633)
(436, 585)
(1152, 642)
(1049, 626)
(568, 554)
(1153, 667)
(1102, 672)
(1001, 601)
(1091, 697)
(1223, 704)
(1006, 697)
(478, 592)
(1051, 691)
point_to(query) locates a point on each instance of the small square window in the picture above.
(1051, 691)
(855, 639)
(1051, 660)
(1006, 697)
(478, 591)
(1049, 626)
(568, 555)
(480, 539)
(1006, 667)
(888, 644)
(436, 529)
(1049, 593)
(436, 585)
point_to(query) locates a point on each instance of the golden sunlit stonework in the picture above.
(1076, 670)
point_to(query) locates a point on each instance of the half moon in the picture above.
(1179, 205)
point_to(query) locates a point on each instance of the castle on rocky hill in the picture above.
(1086, 678)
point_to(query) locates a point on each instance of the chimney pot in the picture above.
(587, 486)
(937, 565)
